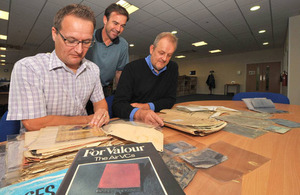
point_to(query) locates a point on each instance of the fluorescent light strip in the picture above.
(174, 32)
(266, 43)
(3, 48)
(3, 37)
(131, 45)
(262, 31)
(181, 56)
(130, 8)
(2, 56)
(215, 51)
(201, 43)
(4, 15)
(2, 60)
(2, 64)
(254, 8)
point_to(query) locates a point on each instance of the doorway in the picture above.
(263, 77)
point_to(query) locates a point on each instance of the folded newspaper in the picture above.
(261, 105)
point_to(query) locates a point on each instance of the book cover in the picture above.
(47, 184)
(125, 169)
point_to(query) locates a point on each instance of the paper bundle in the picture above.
(136, 132)
(196, 123)
(261, 105)
(54, 148)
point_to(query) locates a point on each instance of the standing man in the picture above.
(148, 85)
(110, 51)
(53, 89)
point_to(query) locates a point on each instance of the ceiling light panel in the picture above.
(4, 15)
(261, 31)
(3, 37)
(201, 43)
(254, 8)
(130, 8)
(215, 51)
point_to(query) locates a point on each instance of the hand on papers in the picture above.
(149, 117)
(144, 106)
(100, 118)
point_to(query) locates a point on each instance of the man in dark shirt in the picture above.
(148, 85)
(110, 51)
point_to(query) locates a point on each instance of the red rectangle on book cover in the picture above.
(120, 176)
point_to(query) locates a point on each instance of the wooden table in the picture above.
(280, 175)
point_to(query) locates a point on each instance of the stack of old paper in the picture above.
(54, 148)
(196, 123)
(252, 124)
(136, 132)
(198, 108)
(261, 105)
(213, 110)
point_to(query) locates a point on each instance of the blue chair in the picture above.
(109, 100)
(8, 127)
(275, 97)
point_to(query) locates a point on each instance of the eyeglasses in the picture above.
(73, 42)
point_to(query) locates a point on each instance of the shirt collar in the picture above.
(55, 63)
(148, 60)
(98, 36)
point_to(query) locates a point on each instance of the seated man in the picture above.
(148, 85)
(51, 89)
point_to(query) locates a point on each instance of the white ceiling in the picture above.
(224, 24)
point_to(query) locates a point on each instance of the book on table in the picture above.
(46, 184)
(125, 169)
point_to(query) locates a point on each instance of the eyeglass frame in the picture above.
(67, 41)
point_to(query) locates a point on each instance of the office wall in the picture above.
(294, 60)
(226, 68)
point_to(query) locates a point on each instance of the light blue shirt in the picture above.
(148, 60)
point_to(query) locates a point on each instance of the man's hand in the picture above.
(149, 117)
(100, 118)
(144, 106)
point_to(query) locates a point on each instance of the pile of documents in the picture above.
(54, 148)
(195, 122)
(214, 110)
(261, 105)
(136, 132)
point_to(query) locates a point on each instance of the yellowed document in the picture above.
(135, 132)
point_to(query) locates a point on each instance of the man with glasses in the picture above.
(110, 51)
(51, 89)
